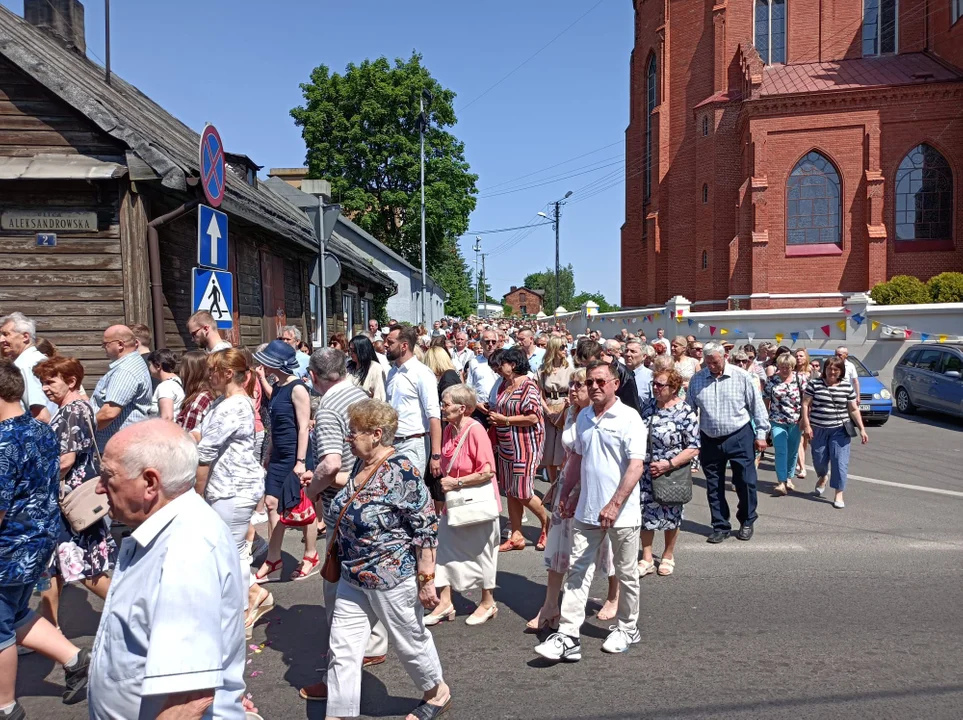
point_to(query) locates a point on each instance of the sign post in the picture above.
(211, 238)
(213, 291)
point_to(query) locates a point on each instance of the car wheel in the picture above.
(903, 402)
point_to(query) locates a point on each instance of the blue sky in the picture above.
(238, 65)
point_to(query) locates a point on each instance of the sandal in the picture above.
(509, 545)
(269, 576)
(318, 691)
(262, 608)
(299, 574)
(427, 711)
(646, 567)
(666, 567)
(542, 539)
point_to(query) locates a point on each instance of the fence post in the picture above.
(672, 309)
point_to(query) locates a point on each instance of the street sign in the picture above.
(332, 270)
(213, 179)
(213, 291)
(211, 238)
(46, 240)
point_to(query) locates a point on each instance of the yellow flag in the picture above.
(942, 338)
(841, 325)
(678, 319)
(779, 337)
(723, 331)
(873, 325)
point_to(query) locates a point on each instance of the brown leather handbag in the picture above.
(331, 570)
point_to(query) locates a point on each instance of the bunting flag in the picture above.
(942, 338)
(847, 311)
(712, 329)
(794, 336)
(924, 336)
(678, 319)
(678, 313)
(908, 333)
(723, 331)
(702, 326)
(841, 325)
(750, 336)
(779, 337)
(858, 319)
(810, 333)
(826, 329)
(649, 318)
(691, 322)
(873, 325)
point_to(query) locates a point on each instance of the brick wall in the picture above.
(524, 298)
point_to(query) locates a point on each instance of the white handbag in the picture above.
(470, 505)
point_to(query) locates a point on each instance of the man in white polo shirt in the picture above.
(607, 457)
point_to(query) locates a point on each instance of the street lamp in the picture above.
(555, 221)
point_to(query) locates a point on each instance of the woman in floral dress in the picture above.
(673, 441)
(84, 556)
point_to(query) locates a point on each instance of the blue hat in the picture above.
(279, 356)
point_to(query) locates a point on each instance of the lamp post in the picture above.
(422, 125)
(477, 249)
(555, 221)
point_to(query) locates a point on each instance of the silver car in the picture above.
(930, 376)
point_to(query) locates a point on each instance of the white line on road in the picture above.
(905, 486)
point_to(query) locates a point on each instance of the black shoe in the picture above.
(744, 533)
(75, 679)
(717, 536)
(18, 713)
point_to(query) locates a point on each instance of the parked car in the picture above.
(930, 376)
(875, 401)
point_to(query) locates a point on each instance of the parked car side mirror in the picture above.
(954, 374)
(875, 373)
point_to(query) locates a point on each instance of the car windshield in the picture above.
(861, 370)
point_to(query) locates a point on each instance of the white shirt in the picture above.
(460, 359)
(173, 621)
(851, 372)
(535, 359)
(384, 361)
(413, 392)
(223, 345)
(33, 395)
(481, 377)
(169, 389)
(607, 443)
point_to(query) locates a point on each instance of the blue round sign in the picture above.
(213, 179)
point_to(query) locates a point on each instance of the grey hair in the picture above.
(713, 348)
(329, 364)
(648, 350)
(613, 345)
(21, 324)
(739, 356)
(293, 329)
(633, 341)
(173, 456)
(462, 395)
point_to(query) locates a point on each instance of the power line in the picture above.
(550, 167)
(501, 230)
(556, 178)
(67, 24)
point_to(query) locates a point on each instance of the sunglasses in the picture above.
(575, 385)
(659, 386)
(696, 349)
(490, 342)
(600, 382)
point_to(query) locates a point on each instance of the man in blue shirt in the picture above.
(29, 526)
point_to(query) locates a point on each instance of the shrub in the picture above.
(901, 290)
(946, 287)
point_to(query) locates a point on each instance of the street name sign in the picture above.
(213, 178)
(213, 291)
(211, 238)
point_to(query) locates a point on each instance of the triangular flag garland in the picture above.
(779, 337)
(723, 331)
(810, 333)
(750, 336)
(942, 338)
(858, 319)
(873, 325)
(691, 322)
(841, 325)
(924, 337)
(908, 332)
(678, 313)
(702, 326)
(827, 330)
(794, 336)
(712, 329)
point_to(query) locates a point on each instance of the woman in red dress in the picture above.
(517, 417)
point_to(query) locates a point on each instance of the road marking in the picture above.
(737, 546)
(904, 486)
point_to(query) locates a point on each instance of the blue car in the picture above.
(875, 401)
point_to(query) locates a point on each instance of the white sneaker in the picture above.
(619, 640)
(560, 646)
(839, 504)
(259, 518)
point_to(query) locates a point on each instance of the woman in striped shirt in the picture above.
(829, 402)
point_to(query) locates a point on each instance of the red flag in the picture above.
(847, 311)
(825, 329)
(712, 329)
(908, 333)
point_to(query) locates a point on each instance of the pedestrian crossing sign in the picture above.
(213, 291)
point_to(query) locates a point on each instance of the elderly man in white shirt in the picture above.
(842, 352)
(17, 337)
(462, 354)
(479, 375)
(607, 462)
(171, 635)
(412, 390)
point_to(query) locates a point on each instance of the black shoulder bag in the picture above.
(673, 487)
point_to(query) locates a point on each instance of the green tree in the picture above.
(360, 130)
(597, 298)
(546, 281)
(507, 310)
(946, 287)
(901, 290)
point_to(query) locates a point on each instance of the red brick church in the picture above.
(790, 152)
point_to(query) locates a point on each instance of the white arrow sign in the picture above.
(214, 232)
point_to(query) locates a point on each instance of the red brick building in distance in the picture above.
(789, 152)
(524, 301)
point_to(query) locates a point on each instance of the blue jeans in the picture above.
(785, 441)
(830, 446)
(15, 611)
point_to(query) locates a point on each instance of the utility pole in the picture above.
(483, 256)
(558, 296)
(422, 125)
(477, 249)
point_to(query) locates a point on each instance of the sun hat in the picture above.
(279, 356)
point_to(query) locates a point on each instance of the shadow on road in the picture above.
(933, 419)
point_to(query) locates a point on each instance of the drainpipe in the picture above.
(154, 263)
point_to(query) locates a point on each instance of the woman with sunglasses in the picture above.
(558, 545)
(694, 351)
(684, 363)
(364, 368)
(673, 442)
(338, 341)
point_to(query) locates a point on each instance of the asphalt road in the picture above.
(826, 613)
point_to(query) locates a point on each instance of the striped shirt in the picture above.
(128, 385)
(829, 406)
(330, 431)
(728, 402)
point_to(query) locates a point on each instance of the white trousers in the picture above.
(377, 643)
(236, 513)
(355, 612)
(586, 540)
(416, 450)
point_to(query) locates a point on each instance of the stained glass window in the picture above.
(813, 202)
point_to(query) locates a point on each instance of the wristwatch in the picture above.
(435, 456)
(298, 460)
(422, 578)
(460, 484)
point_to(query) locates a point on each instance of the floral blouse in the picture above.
(227, 445)
(785, 398)
(72, 425)
(392, 515)
(671, 431)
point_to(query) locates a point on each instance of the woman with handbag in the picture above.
(784, 399)
(673, 442)
(830, 419)
(83, 556)
(384, 553)
(284, 498)
(553, 377)
(229, 476)
(468, 529)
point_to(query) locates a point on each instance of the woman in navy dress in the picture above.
(290, 410)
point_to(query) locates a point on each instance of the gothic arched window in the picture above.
(813, 202)
(924, 196)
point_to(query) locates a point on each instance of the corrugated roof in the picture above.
(126, 114)
(856, 74)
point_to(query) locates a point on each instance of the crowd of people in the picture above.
(397, 446)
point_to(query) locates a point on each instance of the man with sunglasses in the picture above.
(122, 396)
(480, 375)
(607, 461)
(634, 361)
(203, 331)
